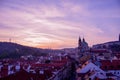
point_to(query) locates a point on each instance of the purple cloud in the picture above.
(40, 22)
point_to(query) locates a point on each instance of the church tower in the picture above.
(79, 46)
(79, 43)
(83, 40)
(119, 37)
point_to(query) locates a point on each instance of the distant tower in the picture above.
(79, 43)
(9, 39)
(83, 40)
(119, 37)
(79, 46)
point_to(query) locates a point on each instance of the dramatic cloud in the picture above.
(57, 23)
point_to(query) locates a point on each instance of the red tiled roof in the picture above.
(118, 56)
(55, 65)
(23, 75)
(110, 65)
(99, 50)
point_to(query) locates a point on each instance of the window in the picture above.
(114, 72)
(117, 72)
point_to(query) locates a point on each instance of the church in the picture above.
(82, 45)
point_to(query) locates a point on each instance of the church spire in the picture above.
(83, 39)
(79, 42)
(79, 39)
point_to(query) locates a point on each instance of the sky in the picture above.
(59, 23)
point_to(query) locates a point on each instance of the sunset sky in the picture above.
(59, 23)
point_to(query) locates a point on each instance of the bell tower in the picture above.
(79, 43)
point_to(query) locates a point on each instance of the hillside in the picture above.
(14, 50)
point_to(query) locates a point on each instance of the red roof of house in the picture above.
(99, 51)
(110, 65)
(118, 56)
(23, 75)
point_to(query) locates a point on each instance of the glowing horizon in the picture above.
(57, 23)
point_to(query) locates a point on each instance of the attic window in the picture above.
(118, 72)
(114, 72)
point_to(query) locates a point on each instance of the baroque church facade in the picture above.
(82, 46)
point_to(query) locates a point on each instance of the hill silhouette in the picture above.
(14, 50)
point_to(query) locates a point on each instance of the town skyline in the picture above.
(58, 24)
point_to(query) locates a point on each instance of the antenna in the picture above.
(9, 39)
(119, 36)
